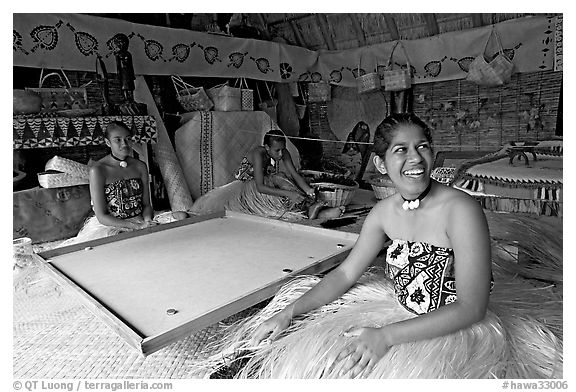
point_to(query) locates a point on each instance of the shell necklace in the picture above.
(415, 203)
(122, 162)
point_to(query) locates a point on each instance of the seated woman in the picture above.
(267, 184)
(119, 191)
(428, 314)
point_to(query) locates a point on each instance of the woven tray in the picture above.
(57, 179)
(75, 169)
(382, 186)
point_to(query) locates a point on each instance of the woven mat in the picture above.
(546, 169)
(176, 187)
(55, 336)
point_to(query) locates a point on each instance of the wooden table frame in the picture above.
(149, 344)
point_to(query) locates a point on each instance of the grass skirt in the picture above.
(521, 336)
(92, 229)
(243, 196)
(511, 342)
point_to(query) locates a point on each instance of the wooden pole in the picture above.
(432, 24)
(391, 24)
(323, 23)
(358, 29)
(297, 34)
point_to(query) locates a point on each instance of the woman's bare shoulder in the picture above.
(453, 195)
(383, 208)
(459, 204)
(98, 167)
(255, 153)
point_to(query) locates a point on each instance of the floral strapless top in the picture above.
(246, 171)
(124, 197)
(423, 275)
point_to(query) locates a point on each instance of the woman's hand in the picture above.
(295, 197)
(363, 352)
(140, 223)
(310, 192)
(148, 223)
(270, 328)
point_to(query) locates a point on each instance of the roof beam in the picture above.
(477, 20)
(323, 22)
(392, 28)
(291, 19)
(432, 24)
(265, 31)
(358, 29)
(297, 34)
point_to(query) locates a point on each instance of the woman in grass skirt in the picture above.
(437, 310)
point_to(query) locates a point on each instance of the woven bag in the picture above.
(65, 97)
(368, 82)
(319, 92)
(268, 105)
(493, 73)
(246, 95)
(191, 98)
(397, 79)
(226, 98)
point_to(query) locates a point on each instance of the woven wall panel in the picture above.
(504, 113)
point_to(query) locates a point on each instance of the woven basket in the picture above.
(75, 169)
(367, 82)
(397, 79)
(319, 92)
(312, 175)
(493, 73)
(189, 97)
(382, 186)
(335, 195)
(64, 97)
(226, 98)
(246, 95)
(56, 179)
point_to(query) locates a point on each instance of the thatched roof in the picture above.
(325, 31)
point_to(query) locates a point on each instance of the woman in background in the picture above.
(267, 184)
(119, 189)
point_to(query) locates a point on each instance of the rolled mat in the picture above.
(176, 187)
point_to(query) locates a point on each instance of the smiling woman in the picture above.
(403, 146)
(426, 315)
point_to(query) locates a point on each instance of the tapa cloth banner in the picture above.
(73, 41)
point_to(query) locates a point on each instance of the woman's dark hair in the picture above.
(385, 131)
(274, 135)
(115, 124)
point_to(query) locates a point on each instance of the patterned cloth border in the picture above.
(79, 131)
(44, 40)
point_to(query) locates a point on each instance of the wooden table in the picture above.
(161, 284)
